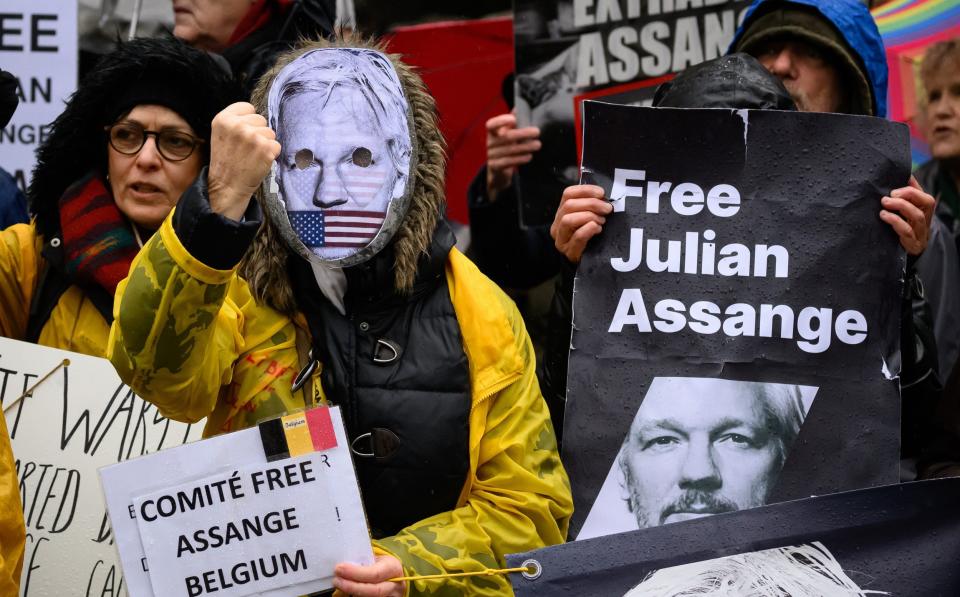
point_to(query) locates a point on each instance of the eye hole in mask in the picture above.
(303, 159)
(362, 157)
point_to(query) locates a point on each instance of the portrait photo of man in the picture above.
(342, 121)
(698, 447)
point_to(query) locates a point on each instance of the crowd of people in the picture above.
(247, 225)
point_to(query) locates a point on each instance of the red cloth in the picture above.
(453, 57)
(97, 241)
(257, 16)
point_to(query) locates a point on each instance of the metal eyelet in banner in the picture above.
(532, 569)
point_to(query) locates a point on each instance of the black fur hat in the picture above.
(161, 71)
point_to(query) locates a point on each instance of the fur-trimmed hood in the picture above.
(77, 145)
(265, 265)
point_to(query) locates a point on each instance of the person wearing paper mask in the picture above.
(343, 171)
(352, 289)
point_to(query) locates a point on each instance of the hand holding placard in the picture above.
(253, 526)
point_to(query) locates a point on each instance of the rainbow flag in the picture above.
(908, 27)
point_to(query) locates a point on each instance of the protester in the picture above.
(13, 210)
(513, 256)
(250, 34)
(13, 205)
(429, 360)
(940, 72)
(829, 57)
(128, 143)
(12, 529)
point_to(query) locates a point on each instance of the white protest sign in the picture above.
(216, 517)
(81, 417)
(38, 45)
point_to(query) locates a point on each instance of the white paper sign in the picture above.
(80, 418)
(38, 44)
(216, 517)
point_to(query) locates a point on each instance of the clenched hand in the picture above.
(242, 149)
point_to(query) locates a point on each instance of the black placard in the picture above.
(749, 355)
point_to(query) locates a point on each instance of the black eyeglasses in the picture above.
(128, 138)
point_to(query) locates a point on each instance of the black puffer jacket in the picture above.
(396, 367)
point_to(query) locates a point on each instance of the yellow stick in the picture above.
(487, 572)
(9, 405)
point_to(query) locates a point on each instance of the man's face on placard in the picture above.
(334, 162)
(697, 448)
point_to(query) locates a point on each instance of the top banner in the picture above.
(617, 50)
(737, 323)
(38, 44)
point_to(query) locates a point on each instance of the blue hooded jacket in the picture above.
(854, 21)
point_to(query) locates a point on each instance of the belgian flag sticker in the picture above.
(298, 434)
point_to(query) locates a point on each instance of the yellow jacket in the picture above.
(12, 531)
(193, 341)
(74, 324)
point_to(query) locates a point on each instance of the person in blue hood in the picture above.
(830, 57)
(828, 53)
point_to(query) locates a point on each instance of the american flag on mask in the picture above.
(336, 228)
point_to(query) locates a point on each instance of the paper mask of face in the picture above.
(341, 185)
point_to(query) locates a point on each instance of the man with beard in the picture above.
(701, 446)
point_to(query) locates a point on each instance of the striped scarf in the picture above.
(98, 244)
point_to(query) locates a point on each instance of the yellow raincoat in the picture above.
(12, 531)
(192, 340)
(74, 324)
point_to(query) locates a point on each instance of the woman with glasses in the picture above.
(130, 141)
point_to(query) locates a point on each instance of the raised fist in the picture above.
(242, 149)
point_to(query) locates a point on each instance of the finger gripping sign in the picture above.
(260, 511)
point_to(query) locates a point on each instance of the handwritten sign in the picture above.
(81, 417)
(228, 516)
(38, 44)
